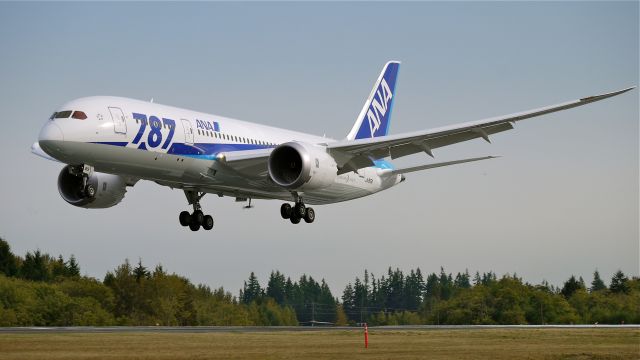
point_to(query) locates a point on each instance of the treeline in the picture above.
(444, 299)
(42, 290)
(311, 300)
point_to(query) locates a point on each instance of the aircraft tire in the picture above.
(294, 219)
(310, 215)
(197, 217)
(285, 210)
(300, 210)
(208, 222)
(194, 226)
(184, 218)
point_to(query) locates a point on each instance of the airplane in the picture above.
(110, 143)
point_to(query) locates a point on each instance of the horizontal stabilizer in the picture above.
(440, 164)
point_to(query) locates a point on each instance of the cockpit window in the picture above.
(80, 115)
(63, 114)
(52, 116)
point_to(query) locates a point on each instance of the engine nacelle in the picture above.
(109, 189)
(300, 166)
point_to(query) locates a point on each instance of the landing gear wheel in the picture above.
(285, 211)
(197, 217)
(185, 218)
(300, 210)
(194, 226)
(310, 215)
(207, 224)
(90, 191)
(294, 219)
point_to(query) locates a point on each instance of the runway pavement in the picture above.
(248, 329)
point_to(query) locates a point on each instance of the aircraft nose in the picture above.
(50, 132)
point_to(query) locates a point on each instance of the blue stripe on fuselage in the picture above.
(197, 150)
(209, 151)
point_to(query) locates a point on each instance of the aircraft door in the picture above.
(188, 131)
(119, 123)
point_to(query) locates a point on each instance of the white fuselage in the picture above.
(179, 148)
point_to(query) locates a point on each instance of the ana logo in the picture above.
(207, 125)
(379, 106)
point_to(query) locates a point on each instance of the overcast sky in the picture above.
(562, 200)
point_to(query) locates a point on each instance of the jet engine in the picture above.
(100, 190)
(300, 166)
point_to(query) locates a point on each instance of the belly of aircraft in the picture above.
(189, 173)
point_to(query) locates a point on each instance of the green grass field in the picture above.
(425, 344)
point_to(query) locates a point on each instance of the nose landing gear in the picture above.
(297, 212)
(85, 172)
(196, 219)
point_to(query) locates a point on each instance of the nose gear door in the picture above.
(188, 131)
(119, 123)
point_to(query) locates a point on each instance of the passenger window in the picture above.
(80, 115)
(63, 114)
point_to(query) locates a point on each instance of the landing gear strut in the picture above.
(84, 171)
(297, 212)
(196, 219)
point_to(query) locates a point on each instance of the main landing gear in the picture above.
(297, 212)
(197, 218)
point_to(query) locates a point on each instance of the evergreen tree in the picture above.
(140, 272)
(58, 268)
(597, 284)
(446, 284)
(251, 290)
(360, 299)
(619, 283)
(571, 286)
(477, 280)
(348, 302)
(395, 290)
(159, 271)
(8, 261)
(289, 291)
(72, 267)
(462, 280)
(432, 287)
(276, 287)
(413, 289)
(34, 267)
(489, 278)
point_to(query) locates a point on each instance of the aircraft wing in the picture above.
(251, 163)
(355, 154)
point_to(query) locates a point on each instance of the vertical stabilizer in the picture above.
(375, 116)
